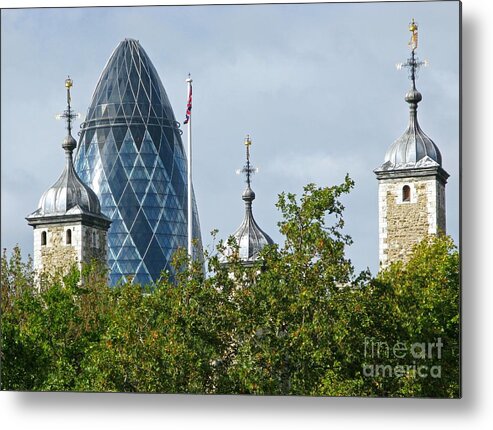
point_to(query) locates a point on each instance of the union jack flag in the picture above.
(189, 106)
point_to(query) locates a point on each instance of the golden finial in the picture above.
(413, 28)
(248, 170)
(68, 114)
(68, 84)
(412, 25)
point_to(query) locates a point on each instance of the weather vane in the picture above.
(413, 63)
(68, 113)
(413, 28)
(247, 169)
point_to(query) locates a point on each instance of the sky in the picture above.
(315, 85)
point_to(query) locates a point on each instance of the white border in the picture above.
(86, 411)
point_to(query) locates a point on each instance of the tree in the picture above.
(22, 359)
(282, 339)
(48, 325)
(298, 321)
(385, 325)
(159, 339)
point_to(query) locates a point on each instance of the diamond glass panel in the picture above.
(131, 147)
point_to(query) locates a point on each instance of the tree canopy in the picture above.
(299, 321)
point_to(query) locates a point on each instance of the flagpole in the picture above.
(189, 173)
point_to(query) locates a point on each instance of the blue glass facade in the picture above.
(131, 154)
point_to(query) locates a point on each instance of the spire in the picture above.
(69, 144)
(69, 195)
(249, 236)
(248, 170)
(413, 43)
(414, 148)
(413, 96)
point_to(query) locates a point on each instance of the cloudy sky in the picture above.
(315, 85)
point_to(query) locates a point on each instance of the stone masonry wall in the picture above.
(407, 223)
(441, 208)
(56, 255)
(87, 243)
(94, 243)
(404, 224)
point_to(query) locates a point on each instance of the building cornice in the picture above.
(88, 220)
(418, 172)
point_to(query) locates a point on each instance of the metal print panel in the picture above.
(333, 263)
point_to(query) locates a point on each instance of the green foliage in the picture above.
(404, 306)
(299, 321)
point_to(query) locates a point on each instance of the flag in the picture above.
(189, 106)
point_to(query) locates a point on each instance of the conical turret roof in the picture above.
(413, 149)
(69, 195)
(249, 237)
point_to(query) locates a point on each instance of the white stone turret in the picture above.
(68, 224)
(411, 182)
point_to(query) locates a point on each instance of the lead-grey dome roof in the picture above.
(413, 148)
(249, 236)
(68, 195)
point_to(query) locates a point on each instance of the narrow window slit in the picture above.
(406, 193)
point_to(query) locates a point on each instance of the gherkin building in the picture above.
(131, 154)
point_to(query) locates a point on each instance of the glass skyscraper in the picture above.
(131, 154)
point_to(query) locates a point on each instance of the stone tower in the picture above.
(411, 181)
(249, 236)
(68, 224)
